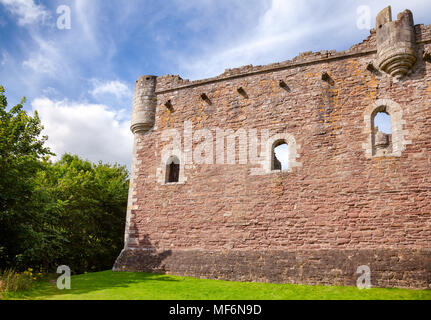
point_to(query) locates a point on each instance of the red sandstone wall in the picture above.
(338, 199)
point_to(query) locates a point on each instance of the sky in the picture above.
(79, 73)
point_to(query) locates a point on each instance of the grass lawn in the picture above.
(110, 285)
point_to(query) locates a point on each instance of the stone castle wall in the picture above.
(338, 207)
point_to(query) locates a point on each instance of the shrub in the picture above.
(11, 281)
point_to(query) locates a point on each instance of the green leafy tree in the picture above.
(90, 201)
(21, 151)
(69, 212)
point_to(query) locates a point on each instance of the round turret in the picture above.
(144, 104)
(396, 42)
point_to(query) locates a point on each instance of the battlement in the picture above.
(368, 46)
(168, 83)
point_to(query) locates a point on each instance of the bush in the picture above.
(11, 281)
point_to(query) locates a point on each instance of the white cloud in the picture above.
(50, 92)
(116, 88)
(4, 58)
(87, 24)
(273, 37)
(26, 10)
(282, 31)
(46, 60)
(93, 131)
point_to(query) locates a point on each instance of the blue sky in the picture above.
(81, 80)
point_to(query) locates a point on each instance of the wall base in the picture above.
(402, 268)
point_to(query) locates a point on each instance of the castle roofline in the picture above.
(169, 83)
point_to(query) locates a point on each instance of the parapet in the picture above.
(144, 104)
(396, 42)
(168, 82)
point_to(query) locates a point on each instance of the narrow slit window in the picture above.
(173, 170)
(280, 156)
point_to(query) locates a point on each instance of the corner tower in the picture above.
(396, 41)
(143, 118)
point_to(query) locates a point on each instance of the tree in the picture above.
(71, 212)
(21, 152)
(91, 201)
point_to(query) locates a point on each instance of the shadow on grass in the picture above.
(149, 261)
(91, 282)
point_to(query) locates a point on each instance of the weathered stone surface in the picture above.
(396, 42)
(144, 104)
(340, 205)
(389, 267)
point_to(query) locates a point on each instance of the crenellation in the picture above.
(423, 33)
(170, 82)
(367, 47)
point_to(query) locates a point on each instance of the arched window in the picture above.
(384, 126)
(172, 170)
(280, 156)
(381, 132)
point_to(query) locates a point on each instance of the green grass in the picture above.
(110, 285)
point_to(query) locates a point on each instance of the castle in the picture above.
(208, 197)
